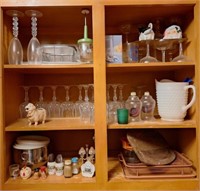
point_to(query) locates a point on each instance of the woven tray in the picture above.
(181, 167)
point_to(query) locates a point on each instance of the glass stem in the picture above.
(163, 55)
(67, 93)
(148, 50)
(180, 49)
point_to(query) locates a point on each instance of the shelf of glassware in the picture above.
(51, 124)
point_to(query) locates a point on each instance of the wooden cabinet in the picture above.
(62, 22)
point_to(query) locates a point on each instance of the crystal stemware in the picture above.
(126, 29)
(163, 45)
(86, 107)
(113, 106)
(15, 50)
(148, 58)
(121, 98)
(54, 105)
(34, 44)
(22, 106)
(41, 103)
(67, 107)
(181, 57)
(78, 102)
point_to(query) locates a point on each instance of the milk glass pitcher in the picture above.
(172, 99)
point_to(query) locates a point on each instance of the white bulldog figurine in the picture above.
(148, 33)
(35, 115)
(173, 32)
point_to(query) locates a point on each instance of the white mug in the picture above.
(172, 99)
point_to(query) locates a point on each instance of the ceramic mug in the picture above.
(172, 99)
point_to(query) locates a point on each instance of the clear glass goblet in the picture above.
(22, 106)
(148, 58)
(41, 103)
(54, 105)
(163, 45)
(78, 102)
(67, 107)
(113, 106)
(86, 107)
(15, 50)
(34, 44)
(181, 57)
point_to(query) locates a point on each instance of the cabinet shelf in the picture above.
(157, 66)
(53, 180)
(50, 68)
(158, 123)
(115, 175)
(51, 124)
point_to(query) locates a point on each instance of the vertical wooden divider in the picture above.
(100, 93)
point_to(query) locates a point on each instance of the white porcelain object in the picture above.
(172, 99)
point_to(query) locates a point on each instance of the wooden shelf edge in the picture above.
(158, 123)
(51, 124)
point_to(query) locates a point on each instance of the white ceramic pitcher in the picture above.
(172, 99)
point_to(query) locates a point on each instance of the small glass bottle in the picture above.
(68, 169)
(75, 166)
(133, 104)
(148, 106)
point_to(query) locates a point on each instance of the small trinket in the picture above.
(173, 32)
(51, 164)
(68, 169)
(59, 165)
(147, 33)
(35, 115)
(75, 166)
(87, 169)
(43, 172)
(25, 172)
(36, 174)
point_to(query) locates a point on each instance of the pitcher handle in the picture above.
(185, 108)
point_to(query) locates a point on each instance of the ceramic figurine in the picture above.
(43, 172)
(173, 32)
(25, 172)
(87, 169)
(35, 115)
(36, 174)
(147, 33)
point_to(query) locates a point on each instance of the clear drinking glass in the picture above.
(181, 57)
(54, 105)
(15, 50)
(14, 170)
(67, 107)
(34, 44)
(78, 102)
(41, 103)
(163, 45)
(86, 107)
(113, 106)
(148, 58)
(22, 106)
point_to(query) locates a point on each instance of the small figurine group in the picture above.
(26, 173)
(172, 32)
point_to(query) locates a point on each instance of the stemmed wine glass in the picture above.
(148, 58)
(34, 44)
(92, 105)
(163, 45)
(22, 106)
(67, 107)
(15, 50)
(113, 106)
(181, 57)
(78, 102)
(41, 103)
(86, 107)
(126, 29)
(54, 105)
(121, 99)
